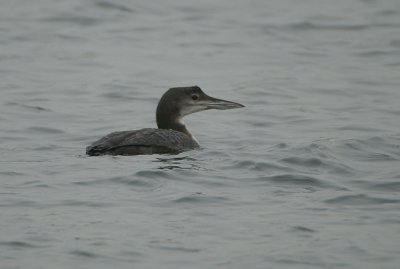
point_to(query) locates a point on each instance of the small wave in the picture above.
(387, 12)
(117, 95)
(36, 184)
(318, 26)
(70, 38)
(309, 162)
(11, 173)
(17, 244)
(307, 262)
(128, 180)
(178, 163)
(319, 164)
(34, 108)
(153, 174)
(302, 229)
(393, 186)
(360, 199)
(309, 26)
(132, 181)
(76, 203)
(179, 249)
(18, 204)
(46, 147)
(337, 27)
(200, 199)
(355, 127)
(113, 6)
(85, 254)
(260, 166)
(40, 129)
(395, 43)
(298, 180)
(378, 53)
(371, 149)
(73, 19)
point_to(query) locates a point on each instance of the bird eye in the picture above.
(195, 97)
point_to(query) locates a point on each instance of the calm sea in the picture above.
(307, 175)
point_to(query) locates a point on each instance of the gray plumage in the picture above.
(172, 136)
(144, 141)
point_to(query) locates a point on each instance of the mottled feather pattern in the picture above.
(149, 137)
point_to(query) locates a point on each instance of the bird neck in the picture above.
(173, 121)
(175, 124)
(170, 119)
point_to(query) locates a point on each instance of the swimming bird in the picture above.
(172, 136)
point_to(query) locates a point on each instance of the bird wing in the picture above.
(149, 137)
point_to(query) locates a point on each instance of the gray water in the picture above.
(307, 175)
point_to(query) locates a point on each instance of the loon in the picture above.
(172, 136)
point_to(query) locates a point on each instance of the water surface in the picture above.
(305, 176)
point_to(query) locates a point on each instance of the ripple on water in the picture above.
(133, 181)
(22, 203)
(29, 107)
(302, 229)
(46, 148)
(260, 166)
(47, 130)
(316, 26)
(298, 180)
(372, 149)
(319, 164)
(179, 249)
(11, 173)
(85, 254)
(200, 199)
(392, 186)
(77, 203)
(113, 6)
(36, 184)
(118, 95)
(152, 174)
(360, 199)
(73, 19)
(178, 163)
(17, 244)
(379, 53)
